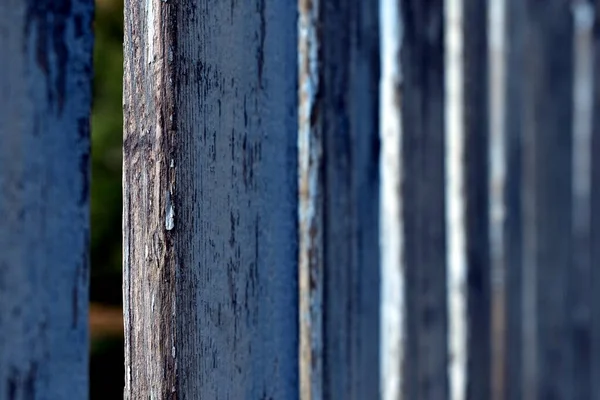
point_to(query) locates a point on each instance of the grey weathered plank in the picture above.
(210, 199)
(423, 196)
(338, 159)
(45, 87)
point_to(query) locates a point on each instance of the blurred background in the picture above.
(106, 322)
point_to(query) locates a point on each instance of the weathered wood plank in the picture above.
(510, 250)
(476, 191)
(338, 158)
(210, 199)
(595, 213)
(547, 88)
(467, 199)
(391, 227)
(423, 197)
(45, 87)
(580, 271)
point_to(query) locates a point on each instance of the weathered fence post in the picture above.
(45, 89)
(549, 126)
(338, 146)
(210, 199)
(594, 251)
(272, 251)
(423, 217)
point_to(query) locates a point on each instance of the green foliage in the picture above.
(107, 128)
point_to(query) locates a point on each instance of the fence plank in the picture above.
(595, 216)
(338, 158)
(423, 196)
(510, 251)
(580, 271)
(45, 86)
(546, 189)
(467, 191)
(477, 195)
(210, 199)
(392, 287)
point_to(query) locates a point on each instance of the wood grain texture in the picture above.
(45, 87)
(210, 200)
(339, 186)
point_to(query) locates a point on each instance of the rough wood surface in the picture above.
(339, 184)
(45, 89)
(210, 200)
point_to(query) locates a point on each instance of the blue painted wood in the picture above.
(423, 191)
(45, 90)
(339, 194)
(477, 198)
(210, 200)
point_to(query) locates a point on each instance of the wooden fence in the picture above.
(322, 200)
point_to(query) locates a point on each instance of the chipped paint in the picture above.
(310, 213)
(169, 213)
(391, 226)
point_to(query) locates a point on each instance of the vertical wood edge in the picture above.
(392, 312)
(310, 212)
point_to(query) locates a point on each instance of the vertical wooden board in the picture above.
(580, 271)
(595, 216)
(210, 201)
(310, 202)
(392, 266)
(547, 188)
(512, 227)
(338, 159)
(476, 192)
(45, 86)
(423, 192)
(348, 118)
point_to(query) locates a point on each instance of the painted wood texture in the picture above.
(476, 191)
(514, 244)
(273, 248)
(539, 132)
(339, 189)
(423, 196)
(547, 134)
(45, 87)
(210, 200)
